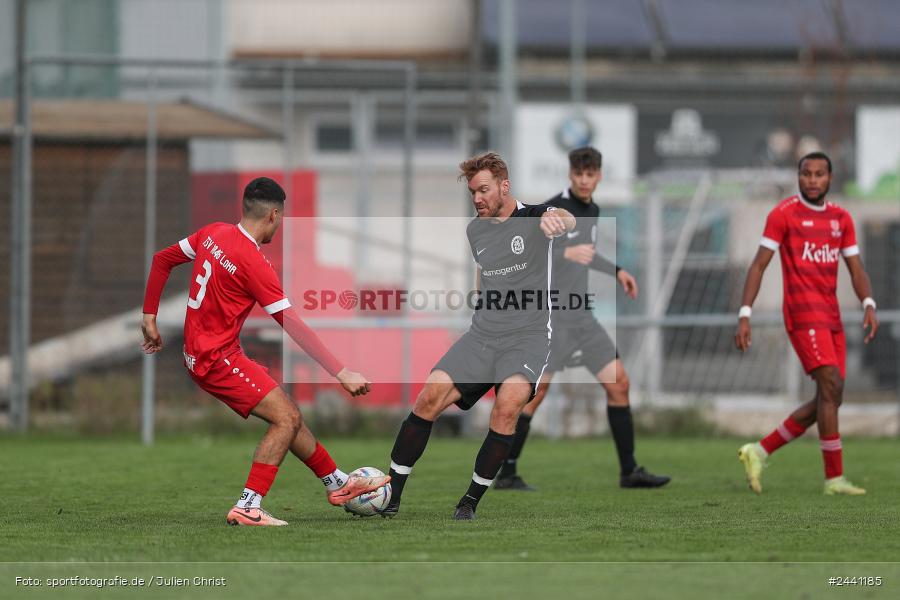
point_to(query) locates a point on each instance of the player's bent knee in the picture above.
(620, 387)
(294, 419)
(431, 401)
(831, 386)
(504, 418)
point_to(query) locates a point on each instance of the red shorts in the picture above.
(238, 382)
(820, 347)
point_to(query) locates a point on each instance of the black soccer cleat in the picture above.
(390, 511)
(513, 483)
(464, 512)
(640, 478)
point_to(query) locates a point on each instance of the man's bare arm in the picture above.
(742, 337)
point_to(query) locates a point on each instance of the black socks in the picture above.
(408, 448)
(493, 452)
(523, 425)
(622, 429)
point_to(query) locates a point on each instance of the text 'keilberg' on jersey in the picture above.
(811, 240)
(515, 276)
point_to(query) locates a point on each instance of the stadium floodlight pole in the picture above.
(20, 224)
(409, 141)
(148, 384)
(508, 80)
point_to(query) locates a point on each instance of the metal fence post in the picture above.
(508, 79)
(409, 140)
(149, 362)
(287, 131)
(20, 252)
(652, 354)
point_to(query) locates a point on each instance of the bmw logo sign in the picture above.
(574, 132)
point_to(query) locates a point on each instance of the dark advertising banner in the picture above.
(685, 137)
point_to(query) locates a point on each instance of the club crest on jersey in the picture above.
(820, 254)
(835, 228)
(517, 245)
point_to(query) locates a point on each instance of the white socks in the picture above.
(335, 481)
(249, 499)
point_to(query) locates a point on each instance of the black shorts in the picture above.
(476, 363)
(590, 339)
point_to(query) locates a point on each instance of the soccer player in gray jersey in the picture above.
(508, 345)
(577, 331)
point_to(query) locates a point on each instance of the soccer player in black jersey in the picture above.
(507, 346)
(578, 330)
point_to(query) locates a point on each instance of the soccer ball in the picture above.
(369, 504)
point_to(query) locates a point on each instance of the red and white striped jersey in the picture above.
(810, 240)
(230, 276)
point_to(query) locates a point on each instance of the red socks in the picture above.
(320, 462)
(261, 477)
(831, 455)
(782, 434)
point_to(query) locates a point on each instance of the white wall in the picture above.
(348, 26)
(173, 29)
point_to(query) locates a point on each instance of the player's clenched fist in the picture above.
(554, 223)
(582, 254)
(355, 383)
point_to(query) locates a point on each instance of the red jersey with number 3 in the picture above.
(811, 240)
(230, 276)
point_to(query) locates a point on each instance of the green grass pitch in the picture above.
(116, 502)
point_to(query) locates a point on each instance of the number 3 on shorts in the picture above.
(202, 280)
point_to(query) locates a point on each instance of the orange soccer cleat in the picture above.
(256, 517)
(356, 485)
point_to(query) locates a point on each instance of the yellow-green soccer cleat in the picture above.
(839, 485)
(753, 460)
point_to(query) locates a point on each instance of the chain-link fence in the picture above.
(152, 150)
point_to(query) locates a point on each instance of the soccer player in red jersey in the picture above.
(810, 235)
(230, 276)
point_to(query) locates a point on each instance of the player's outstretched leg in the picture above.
(830, 388)
(754, 455)
(508, 478)
(284, 422)
(438, 393)
(512, 395)
(340, 488)
(618, 410)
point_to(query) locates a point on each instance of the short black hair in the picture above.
(260, 194)
(814, 156)
(586, 157)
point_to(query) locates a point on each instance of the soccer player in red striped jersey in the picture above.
(230, 276)
(810, 235)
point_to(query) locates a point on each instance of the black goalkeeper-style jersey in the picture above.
(571, 278)
(515, 260)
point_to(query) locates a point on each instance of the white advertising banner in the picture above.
(545, 133)
(877, 145)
